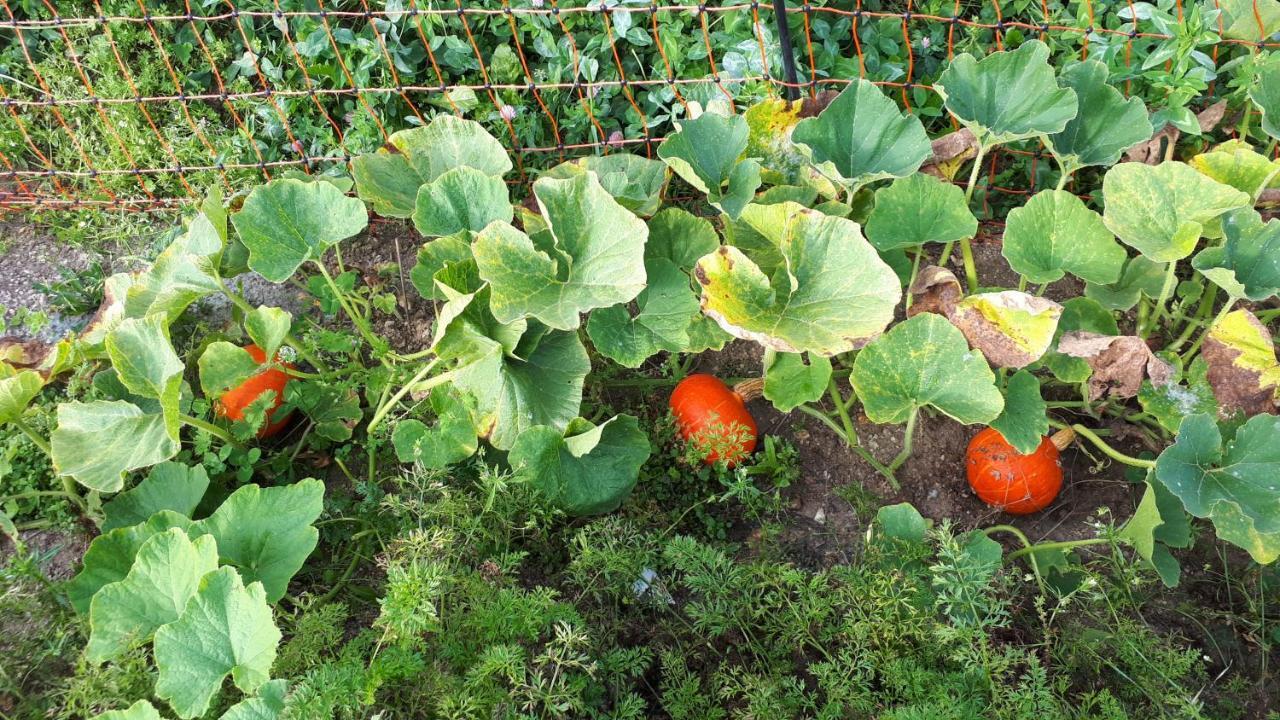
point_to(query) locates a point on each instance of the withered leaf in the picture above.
(1119, 362)
(949, 153)
(1011, 329)
(935, 290)
(1243, 371)
(1152, 152)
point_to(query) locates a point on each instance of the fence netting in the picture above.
(143, 104)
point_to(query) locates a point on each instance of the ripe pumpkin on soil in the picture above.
(234, 402)
(714, 417)
(1010, 481)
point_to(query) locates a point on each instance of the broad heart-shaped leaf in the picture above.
(680, 237)
(862, 137)
(1023, 422)
(1265, 94)
(1054, 234)
(636, 182)
(288, 222)
(1242, 367)
(267, 328)
(665, 308)
(925, 361)
(790, 381)
(183, 273)
(1247, 263)
(164, 576)
(267, 532)
(782, 162)
(1011, 329)
(269, 704)
(918, 209)
(226, 629)
(592, 256)
(434, 256)
(705, 152)
(389, 179)
(223, 366)
(98, 442)
(169, 486)
(1107, 124)
(1250, 20)
(451, 439)
(514, 394)
(1173, 401)
(461, 199)
(1139, 277)
(1158, 524)
(1007, 96)
(1237, 164)
(588, 469)
(141, 710)
(902, 522)
(833, 294)
(1161, 210)
(147, 365)
(17, 390)
(1236, 486)
(111, 554)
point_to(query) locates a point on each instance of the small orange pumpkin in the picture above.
(1010, 481)
(235, 401)
(714, 416)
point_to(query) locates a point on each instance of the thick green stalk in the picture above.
(908, 436)
(915, 270)
(289, 338)
(966, 249)
(1106, 449)
(385, 407)
(359, 321)
(1166, 290)
(208, 427)
(36, 438)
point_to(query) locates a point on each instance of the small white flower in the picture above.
(925, 43)
(508, 113)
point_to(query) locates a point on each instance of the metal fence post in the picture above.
(792, 91)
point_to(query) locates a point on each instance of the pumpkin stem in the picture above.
(1063, 438)
(749, 389)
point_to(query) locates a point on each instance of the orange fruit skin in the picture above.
(234, 402)
(710, 414)
(1007, 480)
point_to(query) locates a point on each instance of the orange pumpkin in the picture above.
(714, 417)
(1010, 481)
(235, 401)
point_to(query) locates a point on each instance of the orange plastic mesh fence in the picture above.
(140, 105)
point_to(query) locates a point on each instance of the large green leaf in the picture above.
(1234, 485)
(288, 222)
(184, 272)
(164, 576)
(226, 629)
(862, 137)
(461, 199)
(592, 256)
(17, 390)
(1011, 329)
(1247, 263)
(110, 556)
(1171, 402)
(1158, 524)
(790, 381)
(1054, 234)
(705, 152)
(782, 162)
(1265, 94)
(141, 710)
(1161, 210)
(1007, 96)
(1139, 277)
(1023, 422)
(586, 470)
(925, 361)
(223, 366)
(1237, 164)
(1250, 20)
(680, 237)
(269, 704)
(636, 182)
(169, 486)
(451, 439)
(147, 365)
(1107, 125)
(1242, 367)
(833, 294)
(1078, 314)
(389, 179)
(267, 532)
(918, 209)
(664, 310)
(435, 256)
(98, 442)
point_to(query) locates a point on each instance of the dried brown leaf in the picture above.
(949, 153)
(1119, 362)
(935, 290)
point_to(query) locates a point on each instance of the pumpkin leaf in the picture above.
(587, 469)
(434, 256)
(680, 237)
(862, 137)
(389, 179)
(1054, 234)
(705, 153)
(288, 222)
(168, 486)
(232, 626)
(1237, 164)
(833, 295)
(1247, 263)
(267, 328)
(110, 556)
(1007, 96)
(935, 290)
(790, 381)
(1078, 314)
(636, 182)
(918, 209)
(266, 532)
(1234, 484)
(782, 162)
(1171, 402)
(269, 704)
(141, 710)
(163, 577)
(17, 390)
(451, 439)
(1010, 328)
(147, 365)
(1119, 364)
(1139, 277)
(181, 274)
(1023, 422)
(925, 361)
(664, 310)
(463, 198)
(1242, 367)
(1265, 94)
(98, 442)
(1109, 126)
(223, 366)
(902, 522)
(1155, 527)
(591, 257)
(1161, 210)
